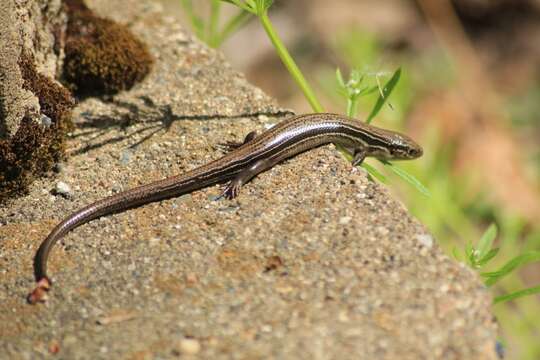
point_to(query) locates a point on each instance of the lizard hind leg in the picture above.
(233, 188)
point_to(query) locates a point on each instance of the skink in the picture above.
(255, 155)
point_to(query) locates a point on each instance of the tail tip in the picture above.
(39, 294)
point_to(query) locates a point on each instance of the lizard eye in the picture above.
(414, 152)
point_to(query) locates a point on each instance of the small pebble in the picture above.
(425, 239)
(69, 340)
(62, 189)
(222, 99)
(178, 37)
(191, 278)
(59, 167)
(266, 328)
(125, 157)
(382, 230)
(189, 346)
(45, 120)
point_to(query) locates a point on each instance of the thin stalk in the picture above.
(297, 74)
(231, 26)
(212, 36)
(289, 63)
(352, 107)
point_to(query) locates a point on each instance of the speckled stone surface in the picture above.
(311, 261)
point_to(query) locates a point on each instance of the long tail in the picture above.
(132, 198)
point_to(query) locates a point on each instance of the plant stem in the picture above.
(289, 63)
(212, 36)
(296, 73)
(231, 26)
(352, 107)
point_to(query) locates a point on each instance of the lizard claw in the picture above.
(231, 191)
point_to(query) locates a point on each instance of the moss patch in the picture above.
(34, 149)
(102, 57)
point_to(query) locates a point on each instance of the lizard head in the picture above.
(398, 147)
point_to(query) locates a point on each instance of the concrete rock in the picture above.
(312, 260)
(35, 28)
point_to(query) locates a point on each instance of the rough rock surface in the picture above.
(35, 27)
(194, 81)
(312, 260)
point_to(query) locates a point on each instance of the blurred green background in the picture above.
(469, 93)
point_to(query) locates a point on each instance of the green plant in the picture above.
(260, 8)
(479, 255)
(455, 209)
(351, 89)
(456, 206)
(209, 31)
(354, 88)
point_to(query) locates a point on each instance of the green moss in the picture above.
(102, 57)
(34, 149)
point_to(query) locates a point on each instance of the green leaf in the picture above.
(370, 90)
(490, 255)
(257, 7)
(385, 93)
(355, 78)
(407, 177)
(470, 252)
(196, 21)
(456, 254)
(486, 241)
(339, 79)
(374, 172)
(212, 34)
(246, 5)
(525, 292)
(232, 25)
(263, 5)
(520, 260)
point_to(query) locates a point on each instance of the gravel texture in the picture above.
(311, 261)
